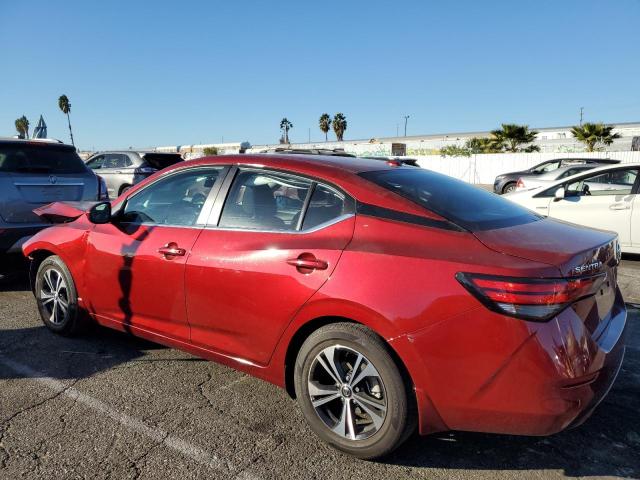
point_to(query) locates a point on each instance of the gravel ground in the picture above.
(111, 406)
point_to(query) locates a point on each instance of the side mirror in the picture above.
(559, 195)
(100, 213)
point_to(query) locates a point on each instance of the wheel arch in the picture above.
(37, 257)
(304, 330)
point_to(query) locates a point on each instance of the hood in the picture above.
(62, 212)
(573, 249)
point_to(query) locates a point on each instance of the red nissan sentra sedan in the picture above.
(383, 297)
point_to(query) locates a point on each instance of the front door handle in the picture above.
(171, 249)
(619, 206)
(307, 262)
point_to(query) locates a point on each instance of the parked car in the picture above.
(121, 170)
(374, 294)
(34, 173)
(404, 160)
(506, 182)
(604, 198)
(527, 182)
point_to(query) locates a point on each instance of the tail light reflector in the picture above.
(528, 299)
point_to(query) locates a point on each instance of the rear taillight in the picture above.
(520, 183)
(145, 170)
(528, 299)
(103, 193)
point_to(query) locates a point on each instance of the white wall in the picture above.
(484, 168)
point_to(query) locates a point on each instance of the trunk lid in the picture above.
(576, 251)
(573, 249)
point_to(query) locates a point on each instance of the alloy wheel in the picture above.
(347, 392)
(54, 296)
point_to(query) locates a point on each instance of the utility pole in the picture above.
(397, 129)
(581, 111)
(309, 134)
(406, 117)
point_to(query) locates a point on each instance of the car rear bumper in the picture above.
(521, 378)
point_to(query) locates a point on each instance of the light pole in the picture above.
(406, 117)
(581, 110)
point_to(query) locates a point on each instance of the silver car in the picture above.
(527, 182)
(123, 169)
(34, 173)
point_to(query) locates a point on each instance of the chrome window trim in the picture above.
(216, 212)
(286, 232)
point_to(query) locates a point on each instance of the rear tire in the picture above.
(509, 187)
(363, 406)
(57, 297)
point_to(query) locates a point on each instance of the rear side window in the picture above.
(325, 205)
(45, 159)
(264, 201)
(465, 205)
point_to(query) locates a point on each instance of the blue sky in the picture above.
(167, 72)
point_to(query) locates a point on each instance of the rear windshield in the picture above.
(465, 205)
(162, 160)
(29, 158)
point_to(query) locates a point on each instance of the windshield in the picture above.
(30, 158)
(465, 205)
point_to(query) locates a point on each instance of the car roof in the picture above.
(339, 171)
(139, 152)
(45, 142)
(299, 162)
(553, 174)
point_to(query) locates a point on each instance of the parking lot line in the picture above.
(159, 436)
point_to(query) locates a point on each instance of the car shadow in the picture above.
(605, 445)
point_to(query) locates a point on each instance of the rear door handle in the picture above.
(171, 249)
(619, 206)
(308, 263)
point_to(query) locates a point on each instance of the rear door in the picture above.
(602, 200)
(136, 273)
(33, 174)
(263, 255)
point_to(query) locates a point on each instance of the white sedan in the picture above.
(604, 198)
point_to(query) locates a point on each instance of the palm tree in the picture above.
(286, 125)
(482, 145)
(325, 124)
(511, 136)
(22, 127)
(594, 135)
(339, 125)
(65, 106)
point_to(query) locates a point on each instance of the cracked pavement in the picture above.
(110, 406)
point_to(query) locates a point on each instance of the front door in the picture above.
(136, 275)
(278, 239)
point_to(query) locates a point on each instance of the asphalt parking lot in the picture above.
(111, 406)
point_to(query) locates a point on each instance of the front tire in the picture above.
(351, 391)
(509, 187)
(57, 297)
